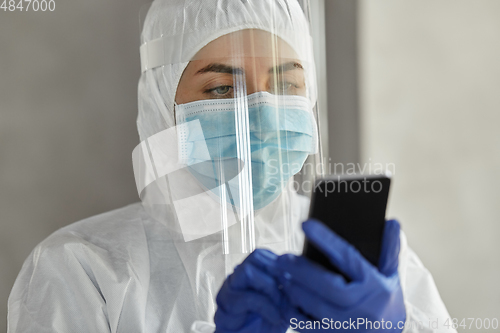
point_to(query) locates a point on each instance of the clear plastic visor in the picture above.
(244, 144)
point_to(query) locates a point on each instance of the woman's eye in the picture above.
(286, 88)
(222, 90)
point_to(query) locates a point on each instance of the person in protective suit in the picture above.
(229, 145)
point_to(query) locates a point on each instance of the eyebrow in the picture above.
(226, 69)
(221, 68)
(286, 67)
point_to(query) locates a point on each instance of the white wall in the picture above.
(430, 82)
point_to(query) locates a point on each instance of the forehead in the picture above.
(250, 43)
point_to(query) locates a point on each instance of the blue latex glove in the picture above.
(372, 295)
(250, 299)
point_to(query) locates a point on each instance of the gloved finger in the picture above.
(310, 304)
(226, 321)
(241, 302)
(250, 323)
(340, 253)
(263, 259)
(389, 253)
(293, 317)
(319, 281)
(247, 276)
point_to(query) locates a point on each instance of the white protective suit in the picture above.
(148, 267)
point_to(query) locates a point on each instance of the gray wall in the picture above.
(68, 103)
(430, 87)
(342, 70)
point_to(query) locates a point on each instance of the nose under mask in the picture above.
(277, 132)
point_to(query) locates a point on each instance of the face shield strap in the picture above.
(168, 50)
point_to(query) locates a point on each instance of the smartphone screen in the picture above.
(354, 207)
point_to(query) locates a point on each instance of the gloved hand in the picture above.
(372, 295)
(250, 299)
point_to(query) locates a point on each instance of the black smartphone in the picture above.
(354, 207)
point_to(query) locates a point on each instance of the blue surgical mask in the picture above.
(279, 131)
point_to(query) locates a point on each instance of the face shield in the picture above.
(229, 133)
(240, 134)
